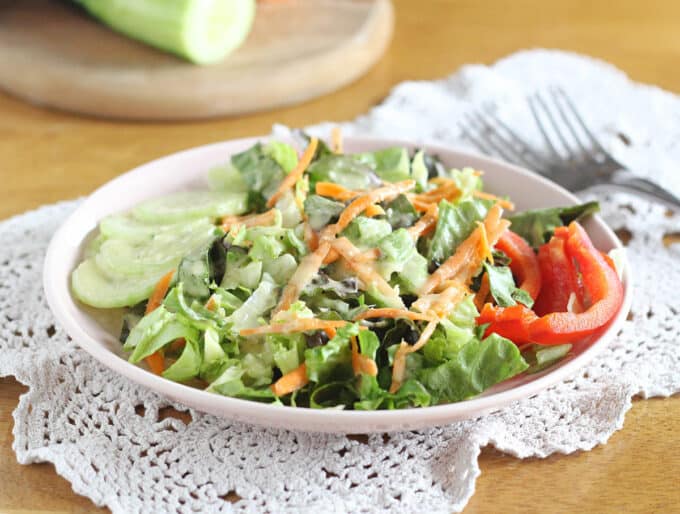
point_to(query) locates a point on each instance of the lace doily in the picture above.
(115, 442)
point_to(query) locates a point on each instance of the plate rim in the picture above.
(316, 420)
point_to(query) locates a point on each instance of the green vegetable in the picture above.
(322, 211)
(400, 213)
(285, 155)
(187, 366)
(419, 171)
(171, 331)
(334, 359)
(366, 232)
(346, 170)
(390, 164)
(190, 205)
(201, 32)
(202, 267)
(476, 367)
(503, 288)
(456, 222)
(542, 357)
(537, 226)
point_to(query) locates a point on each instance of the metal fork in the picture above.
(575, 160)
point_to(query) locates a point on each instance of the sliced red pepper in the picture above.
(601, 285)
(523, 264)
(569, 255)
(511, 322)
(560, 279)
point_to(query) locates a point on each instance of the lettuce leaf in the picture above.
(322, 211)
(334, 359)
(476, 367)
(537, 226)
(346, 170)
(503, 288)
(456, 222)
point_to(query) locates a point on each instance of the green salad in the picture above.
(325, 279)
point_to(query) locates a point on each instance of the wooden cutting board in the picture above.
(53, 54)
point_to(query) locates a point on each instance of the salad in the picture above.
(375, 280)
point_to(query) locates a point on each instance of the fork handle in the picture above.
(626, 180)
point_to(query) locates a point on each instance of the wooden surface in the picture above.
(47, 156)
(53, 54)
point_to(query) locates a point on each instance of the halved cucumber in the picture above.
(191, 205)
(162, 251)
(93, 287)
(202, 31)
(125, 227)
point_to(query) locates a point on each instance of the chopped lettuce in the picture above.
(456, 222)
(333, 360)
(322, 211)
(476, 367)
(346, 170)
(537, 226)
(366, 232)
(390, 164)
(503, 289)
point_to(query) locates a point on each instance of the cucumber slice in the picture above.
(124, 227)
(202, 31)
(190, 205)
(161, 252)
(93, 287)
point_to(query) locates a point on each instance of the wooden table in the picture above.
(47, 156)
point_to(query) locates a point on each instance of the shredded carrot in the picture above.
(426, 223)
(336, 140)
(367, 256)
(304, 273)
(159, 292)
(291, 381)
(331, 257)
(361, 203)
(362, 363)
(363, 270)
(392, 313)
(296, 173)
(296, 325)
(178, 344)
(311, 237)
(506, 204)
(399, 366)
(211, 304)
(336, 191)
(480, 296)
(330, 332)
(470, 253)
(484, 247)
(252, 220)
(374, 210)
(156, 362)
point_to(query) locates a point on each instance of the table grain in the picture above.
(47, 156)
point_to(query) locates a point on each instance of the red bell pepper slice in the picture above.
(560, 279)
(601, 285)
(523, 262)
(569, 263)
(510, 322)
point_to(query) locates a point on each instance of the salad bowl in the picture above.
(97, 331)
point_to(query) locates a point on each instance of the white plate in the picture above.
(187, 170)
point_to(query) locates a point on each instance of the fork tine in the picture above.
(498, 143)
(475, 140)
(555, 126)
(526, 150)
(593, 140)
(553, 91)
(534, 111)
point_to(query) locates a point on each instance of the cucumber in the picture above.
(125, 227)
(93, 287)
(190, 205)
(202, 31)
(161, 252)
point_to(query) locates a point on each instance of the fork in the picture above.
(576, 159)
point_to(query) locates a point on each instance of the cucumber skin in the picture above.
(170, 25)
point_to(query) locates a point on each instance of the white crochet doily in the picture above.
(111, 439)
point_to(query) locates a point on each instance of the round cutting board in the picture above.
(53, 54)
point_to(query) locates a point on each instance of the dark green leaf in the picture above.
(537, 226)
